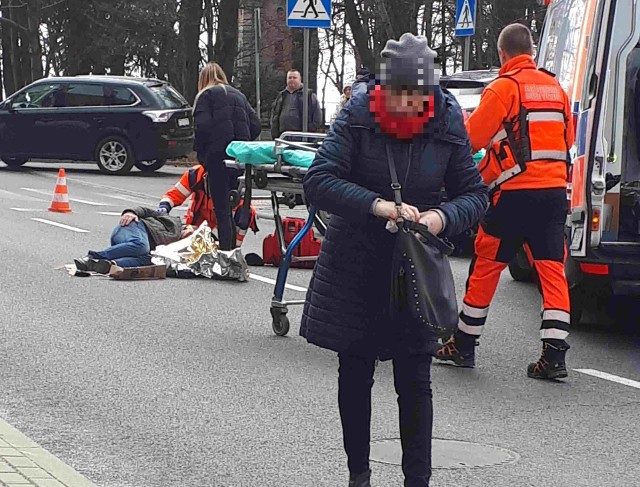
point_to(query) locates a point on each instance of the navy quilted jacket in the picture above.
(222, 114)
(347, 303)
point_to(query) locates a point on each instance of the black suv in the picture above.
(118, 122)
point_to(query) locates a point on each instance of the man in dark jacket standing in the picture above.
(403, 113)
(139, 231)
(287, 109)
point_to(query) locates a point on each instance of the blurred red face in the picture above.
(406, 102)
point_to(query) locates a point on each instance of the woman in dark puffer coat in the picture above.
(221, 115)
(347, 304)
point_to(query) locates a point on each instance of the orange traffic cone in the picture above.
(60, 203)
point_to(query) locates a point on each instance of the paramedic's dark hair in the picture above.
(515, 39)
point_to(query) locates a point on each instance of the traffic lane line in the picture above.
(25, 210)
(22, 461)
(268, 280)
(60, 225)
(610, 377)
(75, 200)
(18, 196)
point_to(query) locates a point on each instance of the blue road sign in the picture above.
(465, 18)
(311, 14)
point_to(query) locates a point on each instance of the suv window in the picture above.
(84, 95)
(40, 96)
(169, 96)
(118, 96)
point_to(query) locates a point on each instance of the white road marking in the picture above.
(28, 209)
(610, 377)
(272, 281)
(129, 199)
(17, 196)
(84, 202)
(61, 225)
(110, 213)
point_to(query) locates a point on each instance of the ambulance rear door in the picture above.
(600, 132)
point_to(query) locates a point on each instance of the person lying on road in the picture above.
(139, 231)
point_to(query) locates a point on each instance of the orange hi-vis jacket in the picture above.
(192, 183)
(524, 121)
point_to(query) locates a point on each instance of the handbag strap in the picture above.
(395, 183)
(443, 246)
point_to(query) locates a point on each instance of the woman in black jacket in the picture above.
(222, 114)
(402, 115)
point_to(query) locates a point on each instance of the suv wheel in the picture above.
(114, 155)
(150, 166)
(14, 161)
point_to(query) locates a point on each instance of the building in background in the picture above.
(281, 49)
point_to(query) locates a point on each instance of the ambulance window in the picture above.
(564, 26)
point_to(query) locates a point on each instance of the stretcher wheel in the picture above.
(280, 323)
(261, 179)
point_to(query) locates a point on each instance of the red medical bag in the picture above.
(309, 246)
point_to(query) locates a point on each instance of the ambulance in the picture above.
(593, 47)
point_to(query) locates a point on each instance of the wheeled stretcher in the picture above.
(279, 167)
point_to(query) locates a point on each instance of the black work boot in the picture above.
(551, 364)
(362, 480)
(459, 350)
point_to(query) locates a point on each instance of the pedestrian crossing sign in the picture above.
(465, 18)
(311, 14)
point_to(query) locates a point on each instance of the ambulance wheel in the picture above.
(577, 298)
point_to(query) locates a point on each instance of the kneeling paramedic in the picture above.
(194, 183)
(524, 119)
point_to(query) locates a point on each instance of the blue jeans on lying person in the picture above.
(130, 246)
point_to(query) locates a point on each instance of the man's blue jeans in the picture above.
(129, 246)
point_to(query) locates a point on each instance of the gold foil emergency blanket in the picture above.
(199, 255)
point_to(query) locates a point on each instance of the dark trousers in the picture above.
(412, 379)
(220, 191)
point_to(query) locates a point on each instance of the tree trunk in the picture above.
(209, 21)
(33, 43)
(78, 36)
(226, 47)
(360, 36)
(190, 17)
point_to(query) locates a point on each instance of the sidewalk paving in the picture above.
(25, 463)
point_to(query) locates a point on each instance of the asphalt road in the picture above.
(181, 383)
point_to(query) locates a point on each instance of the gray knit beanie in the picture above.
(409, 62)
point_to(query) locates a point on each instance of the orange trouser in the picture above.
(535, 219)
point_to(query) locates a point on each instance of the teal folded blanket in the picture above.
(257, 153)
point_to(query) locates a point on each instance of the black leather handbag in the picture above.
(422, 283)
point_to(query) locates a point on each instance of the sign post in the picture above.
(258, 35)
(308, 14)
(466, 26)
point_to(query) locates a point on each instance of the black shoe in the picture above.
(362, 480)
(87, 264)
(551, 365)
(457, 352)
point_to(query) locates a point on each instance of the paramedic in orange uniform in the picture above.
(194, 183)
(524, 121)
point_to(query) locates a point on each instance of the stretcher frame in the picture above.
(280, 177)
